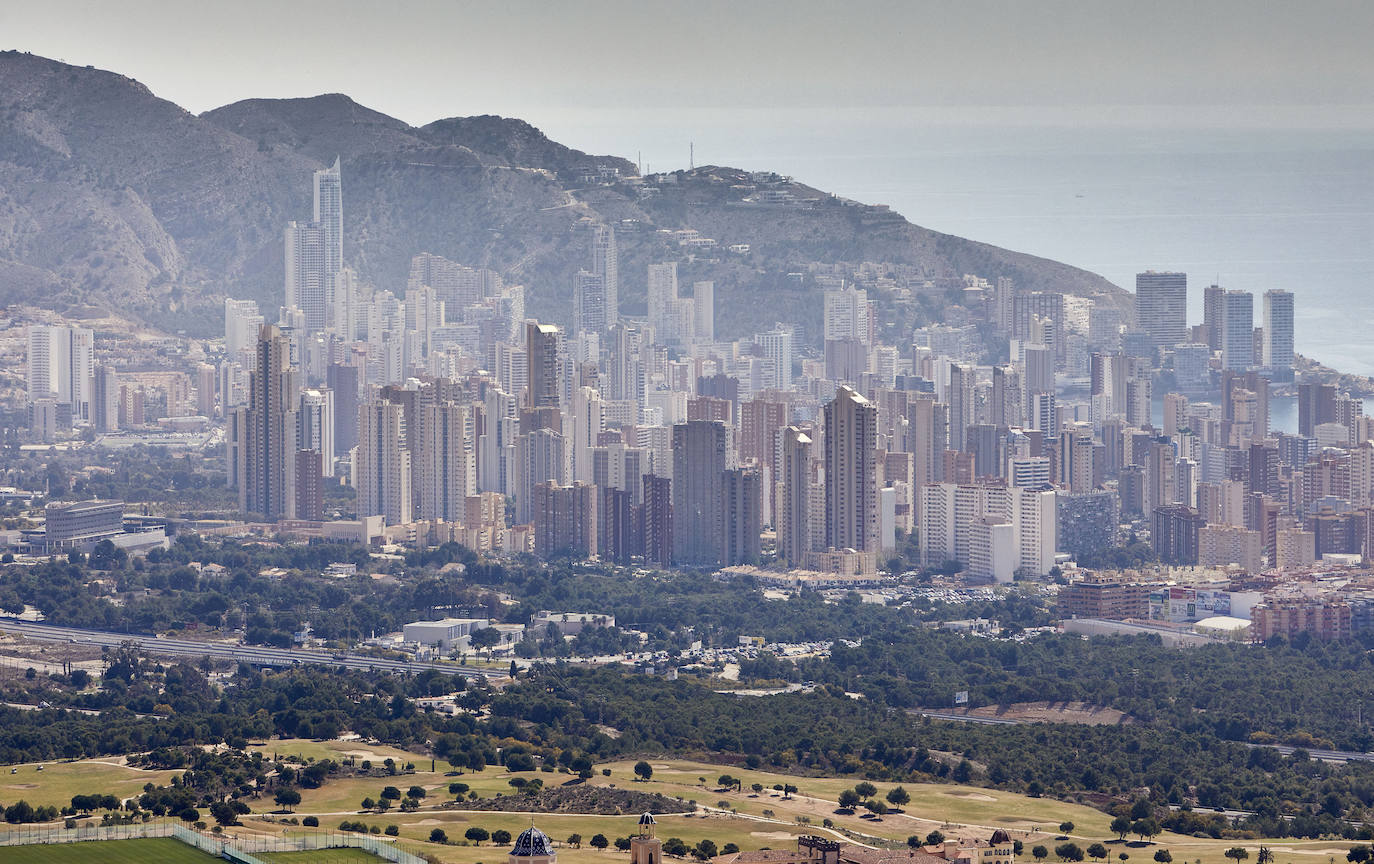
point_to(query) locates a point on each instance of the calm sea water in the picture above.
(1255, 209)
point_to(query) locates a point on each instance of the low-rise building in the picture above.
(446, 634)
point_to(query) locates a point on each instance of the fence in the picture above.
(385, 849)
(31, 835)
(235, 849)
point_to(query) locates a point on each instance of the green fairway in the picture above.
(162, 850)
(344, 855)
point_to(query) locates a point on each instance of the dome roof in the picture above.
(647, 819)
(999, 836)
(532, 842)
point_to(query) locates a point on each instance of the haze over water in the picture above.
(1255, 208)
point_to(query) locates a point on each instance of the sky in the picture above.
(1228, 61)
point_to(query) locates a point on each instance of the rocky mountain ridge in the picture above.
(114, 200)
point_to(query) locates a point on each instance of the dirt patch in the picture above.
(772, 835)
(23, 786)
(1083, 713)
(973, 796)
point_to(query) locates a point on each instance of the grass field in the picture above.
(155, 851)
(759, 820)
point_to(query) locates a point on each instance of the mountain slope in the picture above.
(112, 199)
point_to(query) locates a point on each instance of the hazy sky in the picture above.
(424, 60)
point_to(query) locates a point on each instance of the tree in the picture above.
(575, 841)
(1097, 851)
(757, 787)
(1145, 828)
(1264, 856)
(458, 789)
(725, 780)
(1065, 827)
(1039, 853)
(876, 807)
(500, 836)
(1237, 853)
(898, 796)
(705, 850)
(1357, 854)
(935, 838)
(223, 813)
(866, 790)
(675, 847)
(849, 799)
(729, 849)
(287, 798)
(1163, 856)
(186, 814)
(476, 835)
(643, 770)
(368, 804)
(788, 789)
(438, 835)
(913, 841)
(1121, 826)
(1123, 856)
(417, 792)
(622, 844)
(391, 793)
(311, 821)
(599, 841)
(1068, 852)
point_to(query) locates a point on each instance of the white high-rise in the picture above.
(776, 345)
(661, 294)
(1278, 329)
(381, 463)
(242, 321)
(606, 264)
(314, 252)
(62, 367)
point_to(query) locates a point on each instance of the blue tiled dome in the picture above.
(531, 843)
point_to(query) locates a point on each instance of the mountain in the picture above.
(113, 200)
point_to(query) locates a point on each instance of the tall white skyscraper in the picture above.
(62, 367)
(1278, 329)
(314, 252)
(606, 264)
(381, 463)
(589, 303)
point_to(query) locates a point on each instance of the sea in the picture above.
(1252, 207)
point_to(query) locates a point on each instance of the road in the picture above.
(253, 654)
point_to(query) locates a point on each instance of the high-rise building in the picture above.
(542, 352)
(1211, 315)
(742, 495)
(1278, 331)
(699, 462)
(445, 466)
(307, 282)
(1174, 533)
(794, 497)
(382, 463)
(241, 324)
(656, 521)
(776, 345)
(851, 472)
(62, 367)
(662, 294)
(589, 303)
(606, 264)
(105, 399)
(565, 520)
(343, 381)
(1161, 307)
(329, 216)
(1237, 330)
(316, 428)
(704, 307)
(262, 440)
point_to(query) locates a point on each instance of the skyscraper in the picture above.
(382, 465)
(62, 367)
(1161, 307)
(589, 303)
(314, 252)
(851, 472)
(704, 306)
(264, 434)
(446, 470)
(1278, 331)
(542, 354)
(776, 345)
(662, 293)
(794, 497)
(606, 264)
(1237, 330)
(698, 494)
(241, 324)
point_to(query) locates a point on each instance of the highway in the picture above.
(256, 655)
